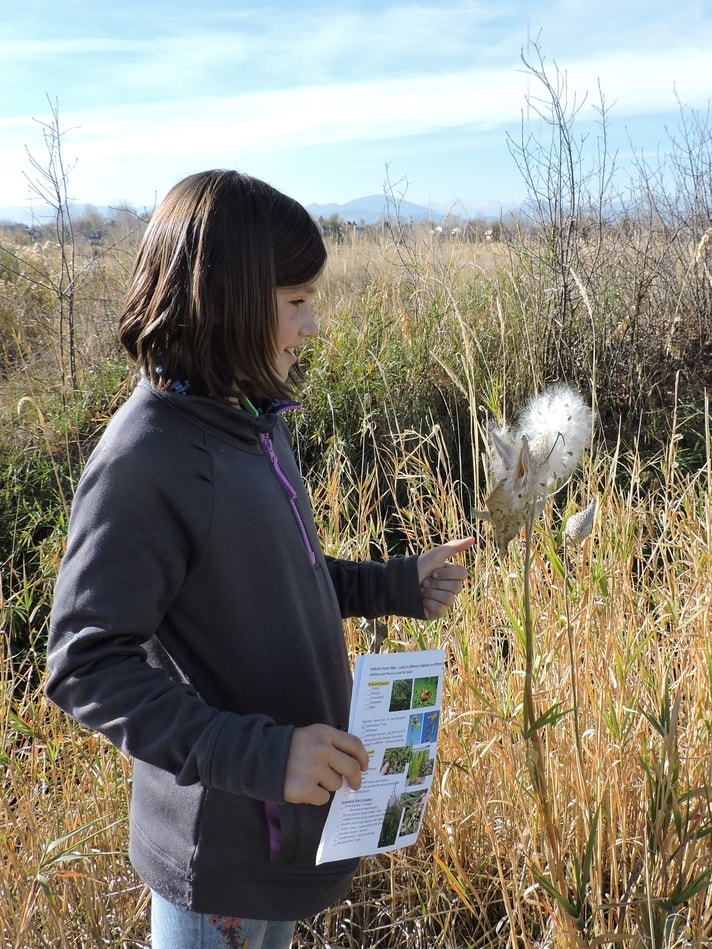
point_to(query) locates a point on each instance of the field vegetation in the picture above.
(428, 338)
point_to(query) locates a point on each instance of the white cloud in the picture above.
(245, 82)
(633, 86)
(293, 118)
(203, 131)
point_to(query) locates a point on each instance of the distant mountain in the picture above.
(41, 214)
(369, 210)
(377, 207)
(15, 215)
(374, 208)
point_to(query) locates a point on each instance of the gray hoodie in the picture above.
(196, 622)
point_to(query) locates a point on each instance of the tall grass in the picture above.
(638, 597)
(629, 772)
(424, 342)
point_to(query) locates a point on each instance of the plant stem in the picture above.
(535, 749)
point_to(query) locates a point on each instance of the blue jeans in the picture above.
(173, 928)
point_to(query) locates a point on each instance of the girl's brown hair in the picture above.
(202, 304)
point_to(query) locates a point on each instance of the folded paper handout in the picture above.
(395, 711)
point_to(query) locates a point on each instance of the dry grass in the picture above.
(636, 600)
(629, 771)
(622, 657)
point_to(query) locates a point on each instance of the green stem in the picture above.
(572, 675)
(535, 749)
(529, 713)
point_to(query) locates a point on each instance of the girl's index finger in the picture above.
(353, 746)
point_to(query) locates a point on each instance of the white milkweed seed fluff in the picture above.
(557, 425)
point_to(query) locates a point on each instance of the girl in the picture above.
(196, 620)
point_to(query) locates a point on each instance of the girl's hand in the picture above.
(320, 757)
(440, 580)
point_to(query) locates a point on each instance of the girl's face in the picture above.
(296, 324)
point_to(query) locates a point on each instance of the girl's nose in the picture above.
(310, 326)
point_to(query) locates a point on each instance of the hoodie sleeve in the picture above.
(132, 541)
(370, 589)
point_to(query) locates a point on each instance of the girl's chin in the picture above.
(286, 364)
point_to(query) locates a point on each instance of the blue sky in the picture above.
(327, 101)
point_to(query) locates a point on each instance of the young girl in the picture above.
(196, 620)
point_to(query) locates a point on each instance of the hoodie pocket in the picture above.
(300, 828)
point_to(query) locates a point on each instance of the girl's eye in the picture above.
(296, 302)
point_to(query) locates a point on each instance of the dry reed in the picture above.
(622, 654)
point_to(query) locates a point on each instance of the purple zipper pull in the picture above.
(289, 491)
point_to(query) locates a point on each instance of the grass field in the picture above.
(589, 827)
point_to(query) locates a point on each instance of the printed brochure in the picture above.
(395, 711)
